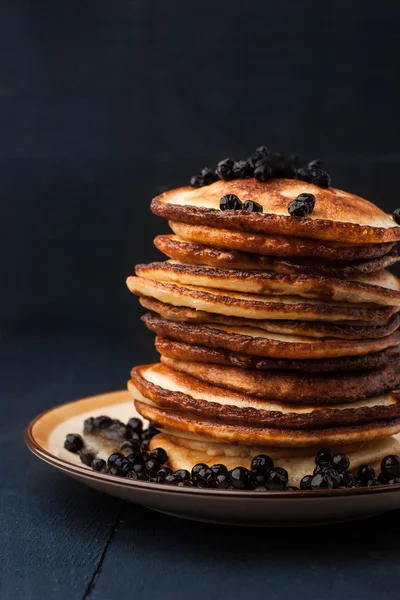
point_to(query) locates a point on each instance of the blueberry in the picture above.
(262, 463)
(145, 444)
(137, 475)
(324, 456)
(340, 462)
(309, 199)
(330, 472)
(347, 479)
(230, 202)
(136, 437)
(320, 178)
(209, 176)
(315, 164)
(260, 488)
(162, 473)
(259, 478)
(135, 425)
(130, 447)
(185, 483)
(222, 481)
(182, 475)
(242, 169)
(102, 422)
(121, 466)
(196, 181)
(263, 172)
(225, 169)
(115, 431)
(276, 479)
(112, 459)
(73, 442)
(170, 479)
(394, 480)
(383, 479)
(322, 481)
(305, 483)
(152, 467)
(261, 153)
(396, 216)
(205, 477)
(303, 174)
(251, 206)
(86, 457)
(390, 466)
(218, 469)
(365, 472)
(98, 464)
(160, 455)
(240, 478)
(292, 488)
(298, 209)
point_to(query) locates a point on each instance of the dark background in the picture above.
(104, 104)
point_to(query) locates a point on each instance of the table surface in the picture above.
(63, 540)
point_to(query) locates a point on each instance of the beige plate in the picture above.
(45, 436)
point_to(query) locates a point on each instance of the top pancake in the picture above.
(337, 216)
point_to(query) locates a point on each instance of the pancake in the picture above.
(275, 245)
(180, 393)
(349, 330)
(381, 288)
(256, 306)
(197, 254)
(257, 342)
(182, 457)
(247, 434)
(337, 215)
(292, 387)
(183, 351)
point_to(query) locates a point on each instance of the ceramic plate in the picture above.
(45, 436)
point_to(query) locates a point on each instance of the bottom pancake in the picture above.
(219, 356)
(249, 434)
(182, 455)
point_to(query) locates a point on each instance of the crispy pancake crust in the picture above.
(302, 328)
(197, 254)
(183, 351)
(292, 387)
(281, 246)
(255, 416)
(256, 306)
(337, 215)
(268, 436)
(180, 456)
(268, 282)
(212, 337)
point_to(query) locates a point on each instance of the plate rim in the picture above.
(34, 446)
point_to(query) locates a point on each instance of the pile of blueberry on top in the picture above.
(134, 461)
(264, 165)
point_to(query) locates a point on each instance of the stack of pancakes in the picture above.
(277, 334)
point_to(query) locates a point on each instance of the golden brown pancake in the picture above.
(278, 245)
(257, 306)
(247, 434)
(292, 387)
(381, 288)
(257, 342)
(197, 254)
(182, 456)
(348, 330)
(218, 356)
(178, 392)
(337, 215)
